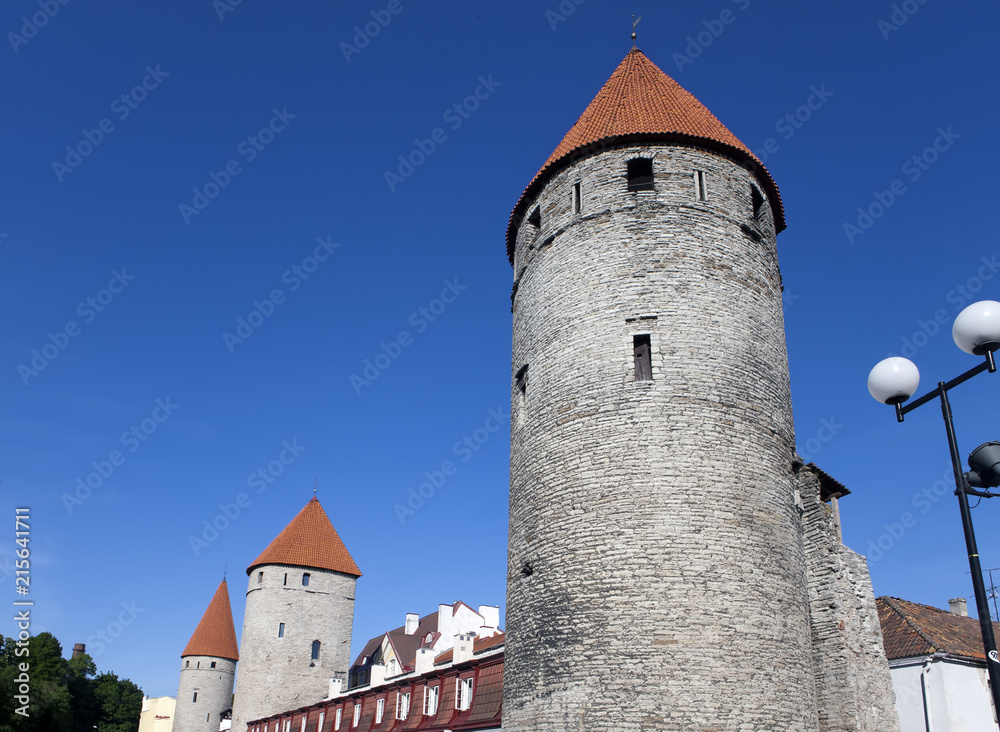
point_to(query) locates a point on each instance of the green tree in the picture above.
(80, 683)
(120, 702)
(48, 707)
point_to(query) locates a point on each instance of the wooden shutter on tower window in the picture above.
(643, 361)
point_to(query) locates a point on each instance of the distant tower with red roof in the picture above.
(656, 568)
(208, 669)
(297, 624)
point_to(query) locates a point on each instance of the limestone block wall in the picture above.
(214, 687)
(656, 572)
(853, 683)
(278, 673)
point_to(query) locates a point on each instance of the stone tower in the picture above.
(656, 570)
(297, 624)
(208, 668)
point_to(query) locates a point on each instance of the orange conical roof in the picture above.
(309, 541)
(215, 634)
(640, 103)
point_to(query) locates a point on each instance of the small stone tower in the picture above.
(208, 668)
(656, 570)
(297, 624)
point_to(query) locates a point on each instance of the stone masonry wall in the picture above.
(852, 674)
(215, 693)
(277, 674)
(656, 574)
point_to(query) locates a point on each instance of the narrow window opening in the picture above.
(357, 715)
(336, 719)
(194, 697)
(576, 198)
(285, 582)
(640, 174)
(527, 570)
(521, 385)
(315, 651)
(305, 579)
(379, 710)
(281, 630)
(208, 717)
(187, 664)
(699, 185)
(213, 664)
(198, 665)
(536, 217)
(757, 200)
(463, 694)
(641, 354)
(260, 577)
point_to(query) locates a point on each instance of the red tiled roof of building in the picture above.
(910, 629)
(640, 103)
(309, 541)
(215, 635)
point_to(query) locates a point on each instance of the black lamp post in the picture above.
(893, 381)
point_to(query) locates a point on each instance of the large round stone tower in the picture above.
(208, 668)
(297, 624)
(656, 576)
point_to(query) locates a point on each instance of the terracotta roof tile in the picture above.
(309, 541)
(910, 629)
(640, 103)
(215, 634)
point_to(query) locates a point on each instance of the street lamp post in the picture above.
(893, 381)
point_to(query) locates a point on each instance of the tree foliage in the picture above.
(61, 695)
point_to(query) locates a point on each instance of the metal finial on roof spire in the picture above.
(635, 22)
(224, 568)
(316, 487)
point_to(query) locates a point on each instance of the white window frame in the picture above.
(322, 718)
(402, 705)
(431, 696)
(302, 727)
(337, 718)
(463, 694)
(379, 710)
(357, 715)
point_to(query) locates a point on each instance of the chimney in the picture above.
(378, 674)
(491, 620)
(424, 661)
(412, 621)
(463, 647)
(958, 606)
(336, 688)
(79, 648)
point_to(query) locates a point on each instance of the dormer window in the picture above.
(640, 174)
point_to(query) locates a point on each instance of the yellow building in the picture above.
(157, 714)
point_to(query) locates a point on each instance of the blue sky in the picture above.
(250, 155)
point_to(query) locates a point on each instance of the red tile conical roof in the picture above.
(640, 103)
(309, 541)
(215, 634)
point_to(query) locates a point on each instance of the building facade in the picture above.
(298, 618)
(208, 669)
(654, 487)
(938, 667)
